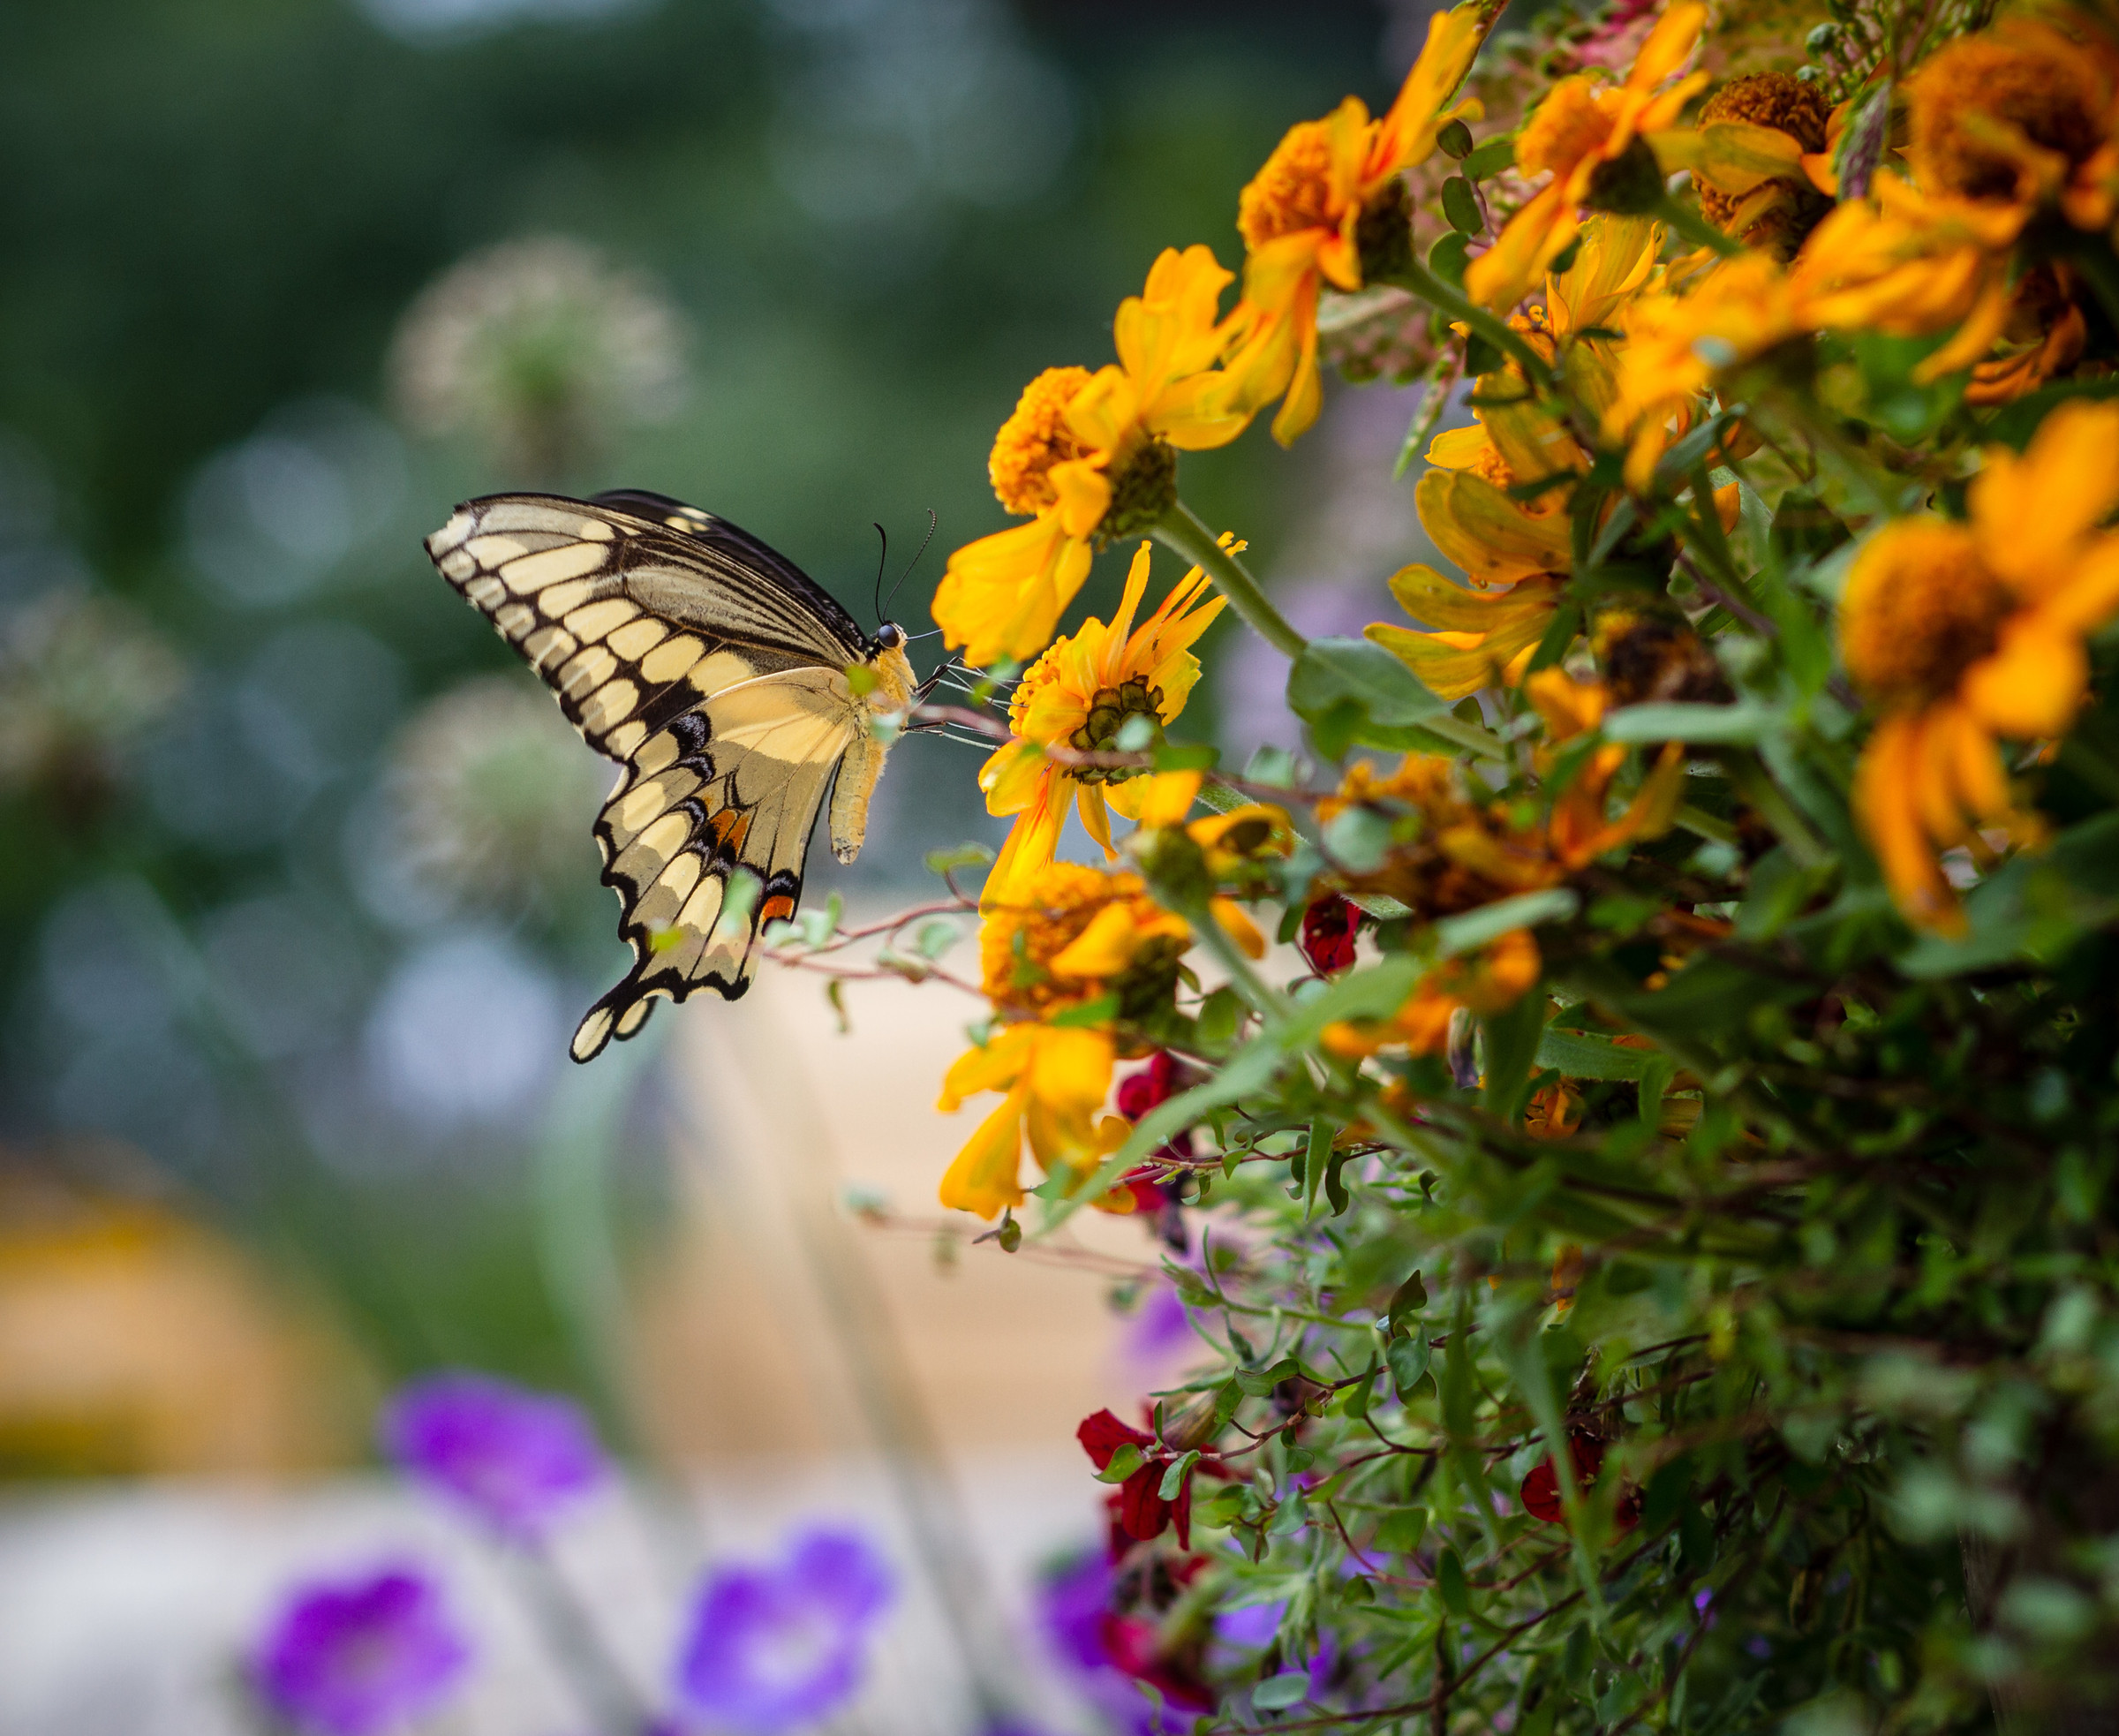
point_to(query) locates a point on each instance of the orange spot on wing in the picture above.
(778, 909)
(727, 829)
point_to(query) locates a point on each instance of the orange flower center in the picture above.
(2034, 85)
(1034, 439)
(1294, 191)
(1919, 609)
(1021, 938)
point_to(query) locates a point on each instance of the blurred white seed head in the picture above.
(492, 796)
(540, 348)
(81, 675)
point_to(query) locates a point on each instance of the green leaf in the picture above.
(1675, 721)
(1409, 1359)
(1409, 1298)
(1490, 158)
(1100, 1011)
(1581, 1056)
(1474, 928)
(1401, 1532)
(1448, 257)
(1125, 1460)
(1276, 1693)
(1220, 1016)
(1461, 207)
(1173, 1479)
(1449, 1581)
(1511, 1045)
(1186, 757)
(1454, 140)
(963, 855)
(1314, 1160)
(1330, 671)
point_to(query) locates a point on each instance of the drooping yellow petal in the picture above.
(1002, 596)
(983, 1179)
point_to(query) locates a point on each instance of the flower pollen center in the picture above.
(2028, 84)
(1921, 609)
(1034, 439)
(1109, 712)
(1293, 192)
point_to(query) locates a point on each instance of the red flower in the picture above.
(1154, 1083)
(1586, 1452)
(1329, 927)
(1139, 1092)
(1143, 1512)
(1133, 1644)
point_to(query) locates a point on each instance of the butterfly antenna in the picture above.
(909, 565)
(882, 560)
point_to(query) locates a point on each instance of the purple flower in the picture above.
(769, 1646)
(514, 1457)
(353, 1657)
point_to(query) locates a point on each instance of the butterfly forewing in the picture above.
(714, 671)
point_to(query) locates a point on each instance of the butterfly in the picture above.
(730, 688)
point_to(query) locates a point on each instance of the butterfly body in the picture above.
(733, 691)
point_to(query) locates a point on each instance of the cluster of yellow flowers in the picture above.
(1935, 207)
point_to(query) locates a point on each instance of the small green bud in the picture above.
(1455, 140)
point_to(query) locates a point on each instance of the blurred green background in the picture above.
(297, 899)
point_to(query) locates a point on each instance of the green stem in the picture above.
(1416, 278)
(1181, 530)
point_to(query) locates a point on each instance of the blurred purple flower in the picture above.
(1252, 1628)
(514, 1457)
(350, 1657)
(1073, 1604)
(769, 1648)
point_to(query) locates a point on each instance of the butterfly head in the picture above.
(890, 637)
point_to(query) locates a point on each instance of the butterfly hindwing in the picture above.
(714, 671)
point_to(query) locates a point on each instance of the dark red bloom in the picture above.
(1542, 1487)
(1139, 1092)
(1143, 1511)
(1329, 927)
(1132, 1643)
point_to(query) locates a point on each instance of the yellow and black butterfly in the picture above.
(731, 689)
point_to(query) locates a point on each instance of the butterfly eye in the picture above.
(890, 636)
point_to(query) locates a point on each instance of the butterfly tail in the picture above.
(620, 1014)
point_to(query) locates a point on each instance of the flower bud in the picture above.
(1193, 1424)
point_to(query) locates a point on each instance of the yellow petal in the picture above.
(1104, 949)
(984, 1177)
(994, 1066)
(1235, 922)
(2033, 685)
(2029, 511)
(1165, 798)
(1491, 537)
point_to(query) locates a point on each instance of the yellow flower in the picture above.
(1463, 856)
(1911, 263)
(1074, 934)
(1965, 634)
(1516, 552)
(1577, 129)
(1676, 346)
(1301, 214)
(1081, 693)
(1489, 981)
(2021, 113)
(1579, 829)
(1055, 1082)
(1769, 211)
(1093, 456)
